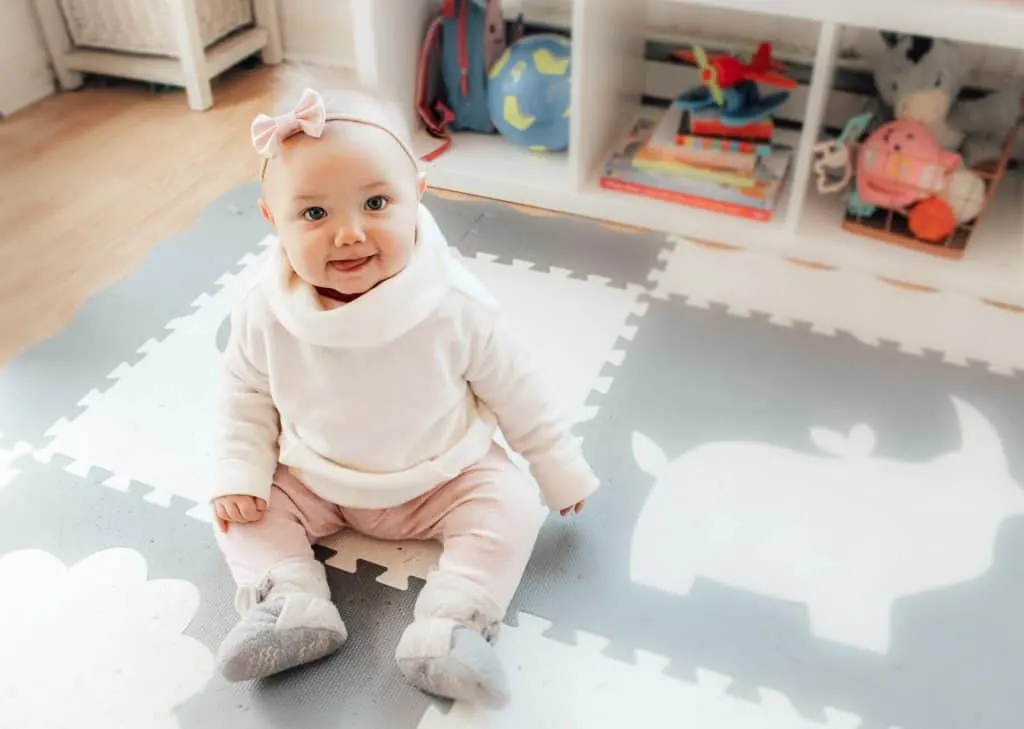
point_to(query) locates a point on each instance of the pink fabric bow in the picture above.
(309, 117)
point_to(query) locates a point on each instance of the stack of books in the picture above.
(692, 158)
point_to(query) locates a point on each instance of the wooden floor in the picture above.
(91, 180)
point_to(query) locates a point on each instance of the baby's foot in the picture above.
(281, 633)
(446, 659)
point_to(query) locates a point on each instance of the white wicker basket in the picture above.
(144, 26)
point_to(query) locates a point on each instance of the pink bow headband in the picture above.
(309, 117)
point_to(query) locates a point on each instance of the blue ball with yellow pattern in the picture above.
(529, 92)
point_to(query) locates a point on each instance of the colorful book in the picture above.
(754, 188)
(686, 157)
(620, 174)
(662, 148)
(763, 183)
(678, 198)
(734, 178)
(708, 123)
(724, 146)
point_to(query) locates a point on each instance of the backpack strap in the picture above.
(433, 111)
(463, 41)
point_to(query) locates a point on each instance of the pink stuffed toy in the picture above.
(902, 163)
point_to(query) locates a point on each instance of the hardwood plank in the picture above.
(94, 178)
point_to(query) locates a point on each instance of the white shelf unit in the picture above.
(192, 66)
(608, 66)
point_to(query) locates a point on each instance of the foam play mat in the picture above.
(812, 512)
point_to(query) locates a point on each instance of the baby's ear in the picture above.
(267, 215)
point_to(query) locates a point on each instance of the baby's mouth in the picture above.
(351, 264)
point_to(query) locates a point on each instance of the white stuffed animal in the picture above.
(922, 78)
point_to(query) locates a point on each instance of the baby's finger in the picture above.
(246, 508)
(217, 519)
(232, 512)
(250, 511)
(261, 505)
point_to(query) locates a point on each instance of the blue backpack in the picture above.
(462, 43)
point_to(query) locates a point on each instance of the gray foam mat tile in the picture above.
(457, 216)
(584, 247)
(46, 382)
(694, 377)
(70, 518)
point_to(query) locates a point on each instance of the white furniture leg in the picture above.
(267, 18)
(185, 19)
(58, 43)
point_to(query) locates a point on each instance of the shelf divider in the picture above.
(608, 78)
(817, 102)
(388, 36)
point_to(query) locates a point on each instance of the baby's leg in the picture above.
(488, 519)
(287, 617)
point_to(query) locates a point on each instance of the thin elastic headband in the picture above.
(308, 117)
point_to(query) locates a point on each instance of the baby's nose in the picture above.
(349, 234)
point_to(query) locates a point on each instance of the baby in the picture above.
(365, 379)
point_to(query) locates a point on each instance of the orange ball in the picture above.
(932, 220)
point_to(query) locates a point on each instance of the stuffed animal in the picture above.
(902, 163)
(986, 121)
(921, 78)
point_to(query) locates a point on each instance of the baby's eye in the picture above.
(376, 203)
(314, 213)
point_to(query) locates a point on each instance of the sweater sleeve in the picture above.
(504, 376)
(246, 450)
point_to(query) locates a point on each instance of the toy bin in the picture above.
(901, 187)
(145, 27)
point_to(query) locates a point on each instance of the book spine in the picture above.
(722, 146)
(714, 128)
(721, 177)
(760, 196)
(689, 156)
(610, 183)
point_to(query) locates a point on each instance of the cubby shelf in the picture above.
(987, 22)
(608, 85)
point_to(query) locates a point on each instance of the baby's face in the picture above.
(344, 206)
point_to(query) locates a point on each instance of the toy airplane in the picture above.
(724, 71)
(731, 84)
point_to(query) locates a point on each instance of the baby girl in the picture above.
(365, 380)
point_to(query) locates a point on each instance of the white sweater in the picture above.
(380, 400)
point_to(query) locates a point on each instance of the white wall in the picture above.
(25, 75)
(317, 32)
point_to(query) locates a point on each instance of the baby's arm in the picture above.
(503, 375)
(246, 450)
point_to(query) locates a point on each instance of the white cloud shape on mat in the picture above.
(96, 644)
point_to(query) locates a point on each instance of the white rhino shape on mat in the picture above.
(846, 533)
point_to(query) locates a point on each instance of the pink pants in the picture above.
(487, 520)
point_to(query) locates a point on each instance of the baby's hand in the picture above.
(241, 509)
(577, 507)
